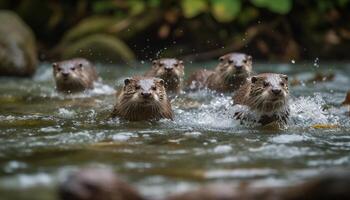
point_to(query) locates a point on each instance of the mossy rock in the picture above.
(99, 48)
(122, 28)
(90, 25)
(18, 54)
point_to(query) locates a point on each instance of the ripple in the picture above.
(239, 173)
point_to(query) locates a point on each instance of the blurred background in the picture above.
(111, 31)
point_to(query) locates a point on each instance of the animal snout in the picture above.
(276, 91)
(168, 69)
(145, 94)
(65, 74)
(238, 67)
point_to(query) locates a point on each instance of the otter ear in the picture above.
(254, 79)
(221, 59)
(181, 62)
(127, 81)
(249, 58)
(154, 62)
(161, 81)
(285, 77)
(54, 65)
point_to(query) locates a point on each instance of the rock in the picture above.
(332, 185)
(99, 48)
(320, 77)
(98, 183)
(18, 55)
(347, 99)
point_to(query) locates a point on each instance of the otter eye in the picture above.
(73, 68)
(176, 65)
(266, 84)
(161, 64)
(137, 87)
(245, 61)
(59, 69)
(230, 61)
(282, 84)
(154, 88)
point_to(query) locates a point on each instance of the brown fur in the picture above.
(96, 184)
(232, 72)
(258, 95)
(133, 106)
(80, 75)
(171, 70)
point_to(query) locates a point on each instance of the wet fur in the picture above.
(225, 77)
(174, 79)
(258, 98)
(81, 78)
(130, 107)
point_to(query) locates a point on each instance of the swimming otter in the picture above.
(267, 96)
(171, 70)
(93, 184)
(142, 98)
(232, 72)
(75, 75)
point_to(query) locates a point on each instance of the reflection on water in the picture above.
(44, 135)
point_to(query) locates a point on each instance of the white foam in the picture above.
(284, 139)
(65, 113)
(222, 149)
(123, 136)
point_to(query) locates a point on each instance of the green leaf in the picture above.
(136, 6)
(277, 6)
(225, 10)
(192, 8)
(154, 3)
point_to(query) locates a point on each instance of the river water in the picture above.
(44, 135)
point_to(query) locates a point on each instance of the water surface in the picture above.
(44, 135)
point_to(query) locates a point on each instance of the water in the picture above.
(44, 136)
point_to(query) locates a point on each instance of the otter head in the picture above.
(168, 69)
(269, 92)
(144, 91)
(68, 73)
(235, 64)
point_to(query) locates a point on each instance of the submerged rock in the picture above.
(94, 184)
(18, 55)
(102, 184)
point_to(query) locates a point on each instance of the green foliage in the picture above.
(192, 8)
(277, 6)
(225, 10)
(136, 6)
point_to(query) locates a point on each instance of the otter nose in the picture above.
(276, 91)
(146, 94)
(65, 74)
(168, 69)
(238, 67)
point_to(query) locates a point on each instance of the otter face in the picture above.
(269, 92)
(146, 91)
(235, 64)
(67, 72)
(168, 68)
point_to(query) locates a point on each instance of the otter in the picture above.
(142, 98)
(171, 70)
(96, 183)
(266, 95)
(75, 75)
(232, 72)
